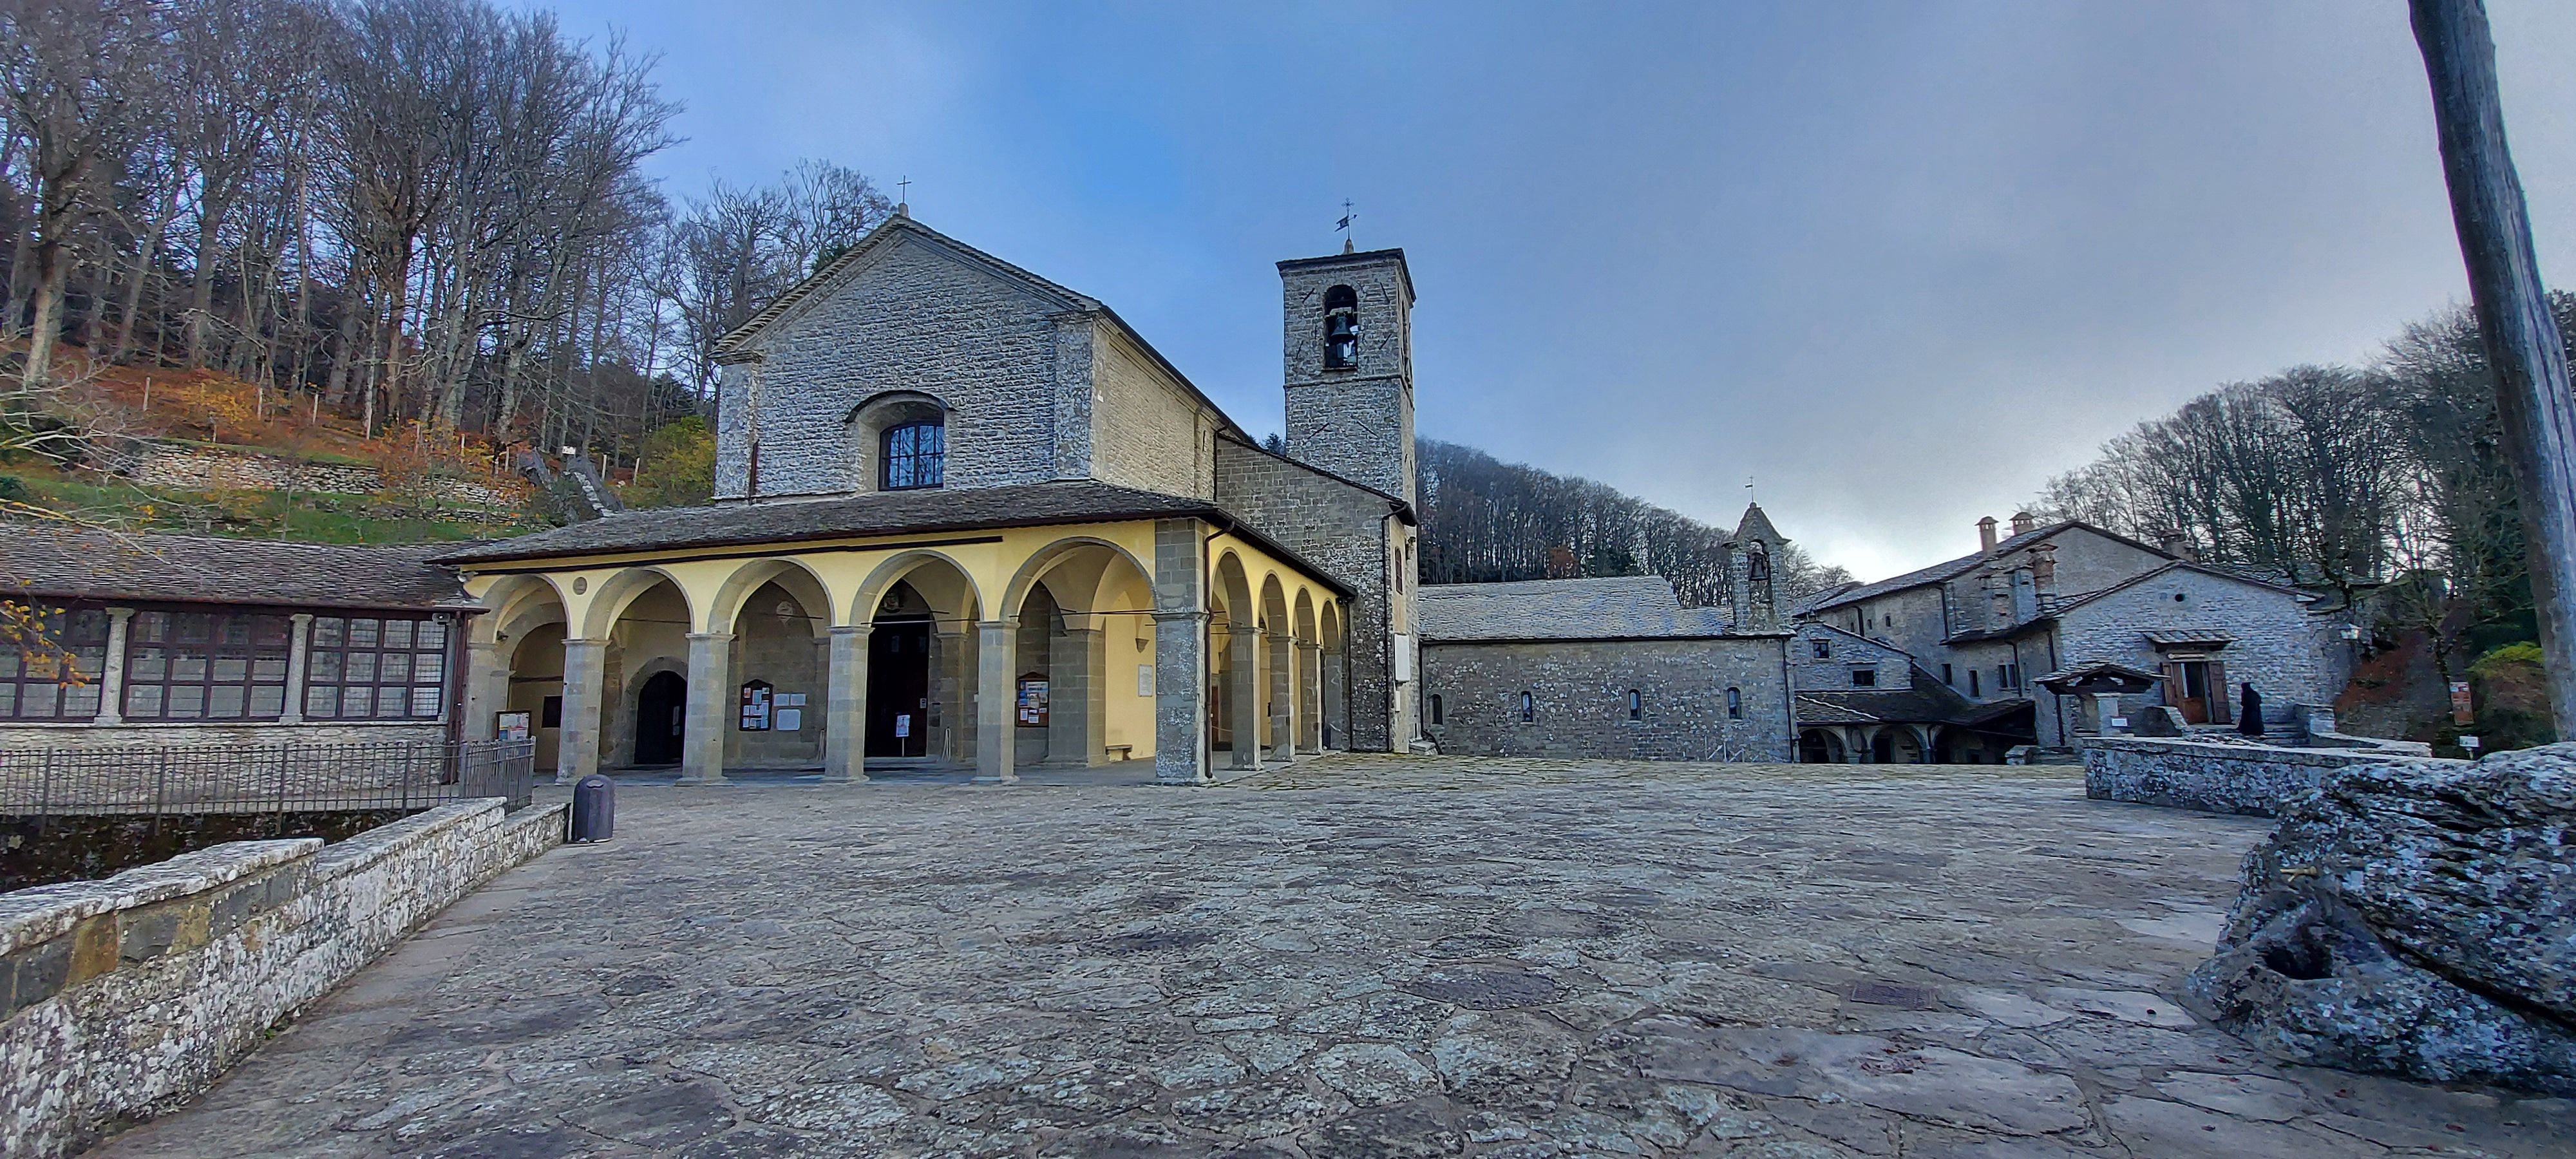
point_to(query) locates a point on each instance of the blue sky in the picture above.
(1897, 263)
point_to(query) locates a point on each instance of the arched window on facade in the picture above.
(1636, 705)
(1341, 328)
(1735, 703)
(913, 455)
(1529, 708)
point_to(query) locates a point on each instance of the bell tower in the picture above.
(1349, 366)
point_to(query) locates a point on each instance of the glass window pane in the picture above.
(81, 700)
(270, 631)
(362, 633)
(323, 668)
(8, 665)
(233, 631)
(397, 634)
(362, 668)
(152, 626)
(224, 700)
(268, 669)
(428, 668)
(394, 668)
(39, 699)
(424, 702)
(267, 699)
(148, 664)
(321, 703)
(232, 669)
(143, 700)
(188, 667)
(329, 631)
(92, 660)
(8, 700)
(185, 703)
(357, 701)
(194, 627)
(390, 702)
(433, 634)
(44, 666)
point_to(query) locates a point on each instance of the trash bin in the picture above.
(594, 809)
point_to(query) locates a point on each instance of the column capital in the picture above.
(301, 617)
(122, 614)
(861, 628)
(710, 635)
(1163, 617)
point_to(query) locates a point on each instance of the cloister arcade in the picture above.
(1898, 743)
(1030, 647)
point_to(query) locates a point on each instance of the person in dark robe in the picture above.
(2249, 711)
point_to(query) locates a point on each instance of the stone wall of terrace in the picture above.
(2219, 777)
(122, 998)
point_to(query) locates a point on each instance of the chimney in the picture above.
(2024, 522)
(1986, 536)
(2176, 544)
(2043, 571)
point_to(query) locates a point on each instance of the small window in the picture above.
(2178, 597)
(1973, 690)
(916, 456)
(1864, 677)
(1341, 328)
(1529, 708)
(1636, 705)
(1888, 620)
(1947, 677)
(1435, 710)
(1824, 648)
(1735, 703)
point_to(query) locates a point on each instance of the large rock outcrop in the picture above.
(2416, 919)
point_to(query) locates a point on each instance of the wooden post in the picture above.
(2533, 400)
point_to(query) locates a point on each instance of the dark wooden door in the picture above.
(899, 690)
(661, 718)
(2195, 692)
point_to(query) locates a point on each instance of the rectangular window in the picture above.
(1824, 649)
(1864, 677)
(1636, 705)
(1435, 710)
(1973, 690)
(205, 666)
(50, 663)
(2007, 677)
(1947, 678)
(376, 668)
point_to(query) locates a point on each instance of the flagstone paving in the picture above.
(1382, 956)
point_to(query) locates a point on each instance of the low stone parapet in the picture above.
(122, 998)
(2254, 780)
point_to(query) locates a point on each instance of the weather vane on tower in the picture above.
(1344, 225)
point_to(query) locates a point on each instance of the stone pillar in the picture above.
(996, 705)
(111, 672)
(1855, 747)
(1335, 714)
(845, 706)
(954, 692)
(1243, 658)
(1310, 696)
(299, 651)
(585, 678)
(1281, 653)
(487, 688)
(711, 701)
(1073, 692)
(1180, 654)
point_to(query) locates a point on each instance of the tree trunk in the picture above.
(201, 287)
(2533, 399)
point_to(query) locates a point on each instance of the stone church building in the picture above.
(965, 515)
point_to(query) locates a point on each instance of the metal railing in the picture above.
(168, 780)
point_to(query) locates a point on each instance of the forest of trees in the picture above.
(2341, 477)
(1484, 520)
(428, 211)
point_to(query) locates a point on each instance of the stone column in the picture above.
(487, 688)
(1180, 654)
(845, 706)
(1281, 654)
(1243, 655)
(996, 706)
(711, 701)
(1336, 714)
(299, 651)
(1073, 690)
(111, 674)
(954, 693)
(1310, 696)
(585, 678)
(1855, 747)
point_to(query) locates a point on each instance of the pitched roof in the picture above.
(1924, 700)
(876, 513)
(1952, 569)
(1605, 608)
(2181, 565)
(1754, 523)
(78, 563)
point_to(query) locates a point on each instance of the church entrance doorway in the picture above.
(899, 689)
(661, 715)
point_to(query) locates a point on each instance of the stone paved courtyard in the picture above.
(1365, 957)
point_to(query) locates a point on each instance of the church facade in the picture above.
(967, 516)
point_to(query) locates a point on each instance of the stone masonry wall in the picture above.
(200, 469)
(1342, 530)
(912, 317)
(1579, 690)
(2290, 656)
(37, 737)
(1148, 433)
(1833, 673)
(123, 998)
(2215, 777)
